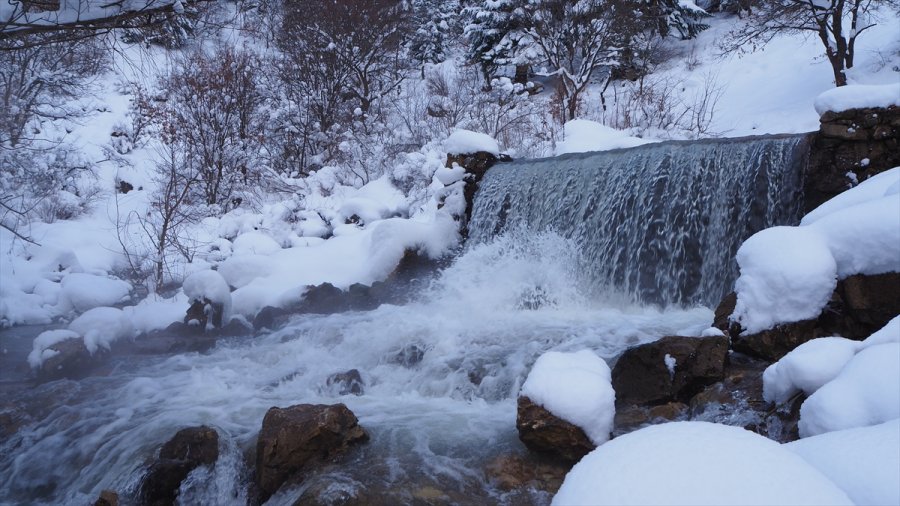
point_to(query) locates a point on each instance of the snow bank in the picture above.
(864, 462)
(462, 142)
(86, 291)
(890, 333)
(789, 273)
(858, 96)
(40, 347)
(575, 387)
(866, 392)
(581, 136)
(695, 463)
(155, 313)
(255, 243)
(101, 326)
(807, 368)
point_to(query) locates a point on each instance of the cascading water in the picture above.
(436, 423)
(660, 222)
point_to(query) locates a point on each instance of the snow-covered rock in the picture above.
(255, 243)
(858, 96)
(581, 136)
(462, 142)
(695, 463)
(866, 392)
(864, 462)
(101, 326)
(87, 291)
(576, 388)
(890, 333)
(41, 346)
(807, 368)
(789, 273)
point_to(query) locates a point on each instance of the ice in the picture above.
(866, 392)
(807, 368)
(101, 326)
(583, 135)
(575, 387)
(864, 462)
(87, 291)
(462, 142)
(695, 463)
(858, 96)
(45, 340)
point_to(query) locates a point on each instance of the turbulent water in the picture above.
(434, 424)
(564, 254)
(660, 222)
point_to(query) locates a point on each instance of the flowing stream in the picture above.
(565, 255)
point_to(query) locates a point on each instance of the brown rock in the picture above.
(510, 472)
(641, 375)
(774, 343)
(543, 431)
(631, 418)
(299, 436)
(189, 449)
(870, 301)
(347, 382)
(72, 361)
(107, 498)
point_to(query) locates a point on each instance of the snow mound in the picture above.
(240, 270)
(86, 291)
(463, 142)
(209, 285)
(858, 96)
(255, 243)
(581, 136)
(101, 326)
(866, 392)
(575, 387)
(789, 273)
(807, 368)
(696, 463)
(864, 462)
(40, 347)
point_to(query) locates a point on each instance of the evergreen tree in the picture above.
(435, 23)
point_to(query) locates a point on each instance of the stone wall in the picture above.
(853, 144)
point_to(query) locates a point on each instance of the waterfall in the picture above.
(660, 222)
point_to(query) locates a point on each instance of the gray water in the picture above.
(660, 223)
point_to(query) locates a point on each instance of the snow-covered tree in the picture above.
(433, 30)
(836, 23)
(495, 31)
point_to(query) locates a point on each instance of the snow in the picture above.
(864, 462)
(101, 326)
(40, 347)
(463, 142)
(712, 332)
(695, 463)
(209, 285)
(858, 96)
(807, 368)
(670, 362)
(866, 392)
(789, 273)
(155, 312)
(87, 291)
(880, 185)
(890, 333)
(255, 243)
(576, 388)
(581, 136)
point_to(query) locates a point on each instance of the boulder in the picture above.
(189, 449)
(294, 438)
(270, 318)
(542, 431)
(72, 361)
(673, 368)
(107, 498)
(631, 418)
(347, 382)
(176, 338)
(859, 306)
(476, 166)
